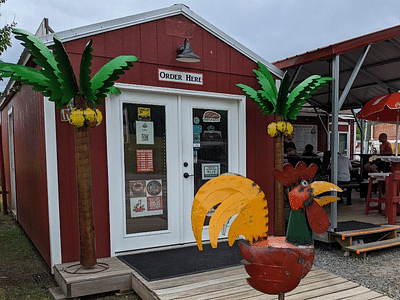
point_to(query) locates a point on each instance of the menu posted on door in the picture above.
(146, 198)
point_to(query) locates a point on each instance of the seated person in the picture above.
(309, 150)
(344, 168)
(289, 148)
(378, 165)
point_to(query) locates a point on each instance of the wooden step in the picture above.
(361, 250)
(368, 231)
(345, 238)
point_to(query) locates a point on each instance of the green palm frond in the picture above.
(270, 101)
(113, 90)
(268, 107)
(304, 91)
(26, 75)
(84, 74)
(282, 104)
(259, 98)
(269, 85)
(57, 80)
(105, 77)
(266, 86)
(68, 84)
(44, 58)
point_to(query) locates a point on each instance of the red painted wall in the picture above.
(30, 166)
(155, 44)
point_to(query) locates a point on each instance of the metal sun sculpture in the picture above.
(275, 264)
(56, 80)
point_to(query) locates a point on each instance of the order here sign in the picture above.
(180, 77)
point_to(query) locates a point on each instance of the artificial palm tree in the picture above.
(285, 105)
(56, 80)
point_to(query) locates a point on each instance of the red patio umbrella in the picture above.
(385, 108)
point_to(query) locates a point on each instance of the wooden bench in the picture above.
(347, 188)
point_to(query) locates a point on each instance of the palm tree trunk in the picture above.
(278, 187)
(87, 241)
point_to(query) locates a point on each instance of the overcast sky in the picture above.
(274, 29)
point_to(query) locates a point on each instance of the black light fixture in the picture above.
(185, 53)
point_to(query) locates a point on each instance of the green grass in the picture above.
(23, 272)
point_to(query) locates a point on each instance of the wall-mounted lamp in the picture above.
(185, 53)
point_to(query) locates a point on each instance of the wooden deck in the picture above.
(229, 283)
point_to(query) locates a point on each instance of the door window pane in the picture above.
(145, 168)
(210, 146)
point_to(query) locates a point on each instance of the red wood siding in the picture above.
(30, 166)
(156, 46)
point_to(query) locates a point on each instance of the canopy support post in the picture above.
(334, 136)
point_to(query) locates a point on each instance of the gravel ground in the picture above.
(379, 271)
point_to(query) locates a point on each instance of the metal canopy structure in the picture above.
(377, 54)
(363, 68)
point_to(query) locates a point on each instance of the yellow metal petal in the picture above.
(202, 203)
(252, 222)
(237, 191)
(228, 208)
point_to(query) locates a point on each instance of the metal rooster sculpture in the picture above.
(275, 264)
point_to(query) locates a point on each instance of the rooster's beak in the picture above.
(316, 216)
(320, 187)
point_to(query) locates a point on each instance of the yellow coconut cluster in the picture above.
(89, 117)
(284, 128)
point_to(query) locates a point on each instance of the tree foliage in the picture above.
(5, 34)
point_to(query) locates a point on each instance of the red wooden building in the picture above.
(174, 126)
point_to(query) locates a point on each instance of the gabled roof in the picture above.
(379, 73)
(177, 9)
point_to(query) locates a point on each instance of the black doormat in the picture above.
(354, 225)
(183, 261)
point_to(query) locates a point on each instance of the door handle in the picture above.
(186, 175)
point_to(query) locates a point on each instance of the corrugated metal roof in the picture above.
(379, 74)
(177, 9)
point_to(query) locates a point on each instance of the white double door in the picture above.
(163, 144)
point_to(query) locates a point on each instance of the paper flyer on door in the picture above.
(146, 197)
(144, 133)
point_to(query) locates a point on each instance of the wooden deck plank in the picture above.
(302, 293)
(357, 291)
(367, 296)
(223, 292)
(209, 289)
(194, 278)
(202, 284)
(305, 281)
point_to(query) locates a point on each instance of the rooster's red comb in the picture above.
(292, 176)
